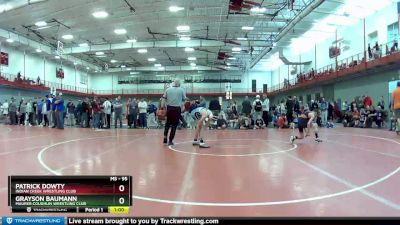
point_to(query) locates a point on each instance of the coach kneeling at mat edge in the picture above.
(173, 98)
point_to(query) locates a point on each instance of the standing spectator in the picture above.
(330, 111)
(369, 51)
(142, 113)
(60, 108)
(39, 113)
(296, 107)
(78, 110)
(367, 101)
(44, 112)
(38, 80)
(96, 113)
(289, 109)
(22, 112)
(233, 108)
(29, 112)
(324, 111)
(152, 111)
(172, 99)
(85, 113)
(107, 111)
(257, 107)
(381, 103)
(118, 112)
(133, 112)
(396, 106)
(13, 112)
(71, 111)
(214, 106)
(246, 107)
(265, 109)
(54, 113)
(5, 106)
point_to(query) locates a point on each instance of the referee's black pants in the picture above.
(173, 116)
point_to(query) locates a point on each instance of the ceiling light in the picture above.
(68, 36)
(232, 58)
(236, 49)
(123, 66)
(128, 69)
(120, 31)
(9, 40)
(100, 14)
(175, 8)
(183, 28)
(75, 63)
(101, 56)
(113, 61)
(227, 67)
(157, 65)
(87, 68)
(192, 58)
(142, 50)
(184, 38)
(38, 50)
(151, 59)
(258, 10)
(41, 23)
(95, 71)
(187, 49)
(192, 64)
(161, 68)
(57, 57)
(133, 73)
(241, 39)
(83, 45)
(99, 53)
(131, 40)
(228, 64)
(247, 28)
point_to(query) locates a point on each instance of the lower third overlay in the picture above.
(202, 221)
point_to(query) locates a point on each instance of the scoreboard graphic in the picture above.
(72, 194)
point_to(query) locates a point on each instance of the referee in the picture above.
(173, 98)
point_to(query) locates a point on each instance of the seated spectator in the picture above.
(221, 123)
(259, 123)
(379, 117)
(356, 118)
(282, 122)
(348, 120)
(244, 122)
(370, 116)
(363, 118)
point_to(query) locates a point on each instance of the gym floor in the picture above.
(354, 172)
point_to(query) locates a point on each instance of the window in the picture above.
(393, 32)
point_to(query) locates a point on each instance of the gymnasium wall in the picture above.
(318, 53)
(108, 81)
(35, 65)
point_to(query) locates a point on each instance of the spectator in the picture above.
(246, 107)
(13, 112)
(396, 106)
(38, 80)
(152, 115)
(259, 123)
(70, 112)
(265, 109)
(60, 108)
(85, 113)
(79, 112)
(22, 112)
(257, 107)
(107, 112)
(367, 101)
(118, 112)
(96, 113)
(221, 123)
(44, 112)
(381, 103)
(142, 113)
(5, 107)
(324, 111)
(215, 107)
(289, 109)
(29, 112)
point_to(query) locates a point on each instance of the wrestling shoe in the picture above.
(292, 138)
(203, 145)
(318, 140)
